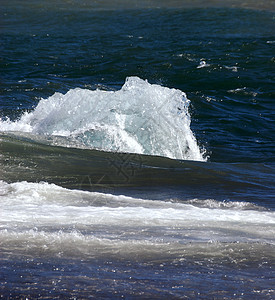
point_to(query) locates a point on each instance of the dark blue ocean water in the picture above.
(196, 225)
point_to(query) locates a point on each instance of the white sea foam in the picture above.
(203, 64)
(140, 118)
(41, 217)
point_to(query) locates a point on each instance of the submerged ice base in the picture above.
(140, 118)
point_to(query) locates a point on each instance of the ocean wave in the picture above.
(51, 220)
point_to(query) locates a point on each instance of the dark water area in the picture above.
(149, 177)
(137, 149)
(169, 280)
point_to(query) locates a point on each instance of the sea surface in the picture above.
(137, 149)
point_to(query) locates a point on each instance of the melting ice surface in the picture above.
(140, 118)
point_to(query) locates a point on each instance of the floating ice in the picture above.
(140, 118)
